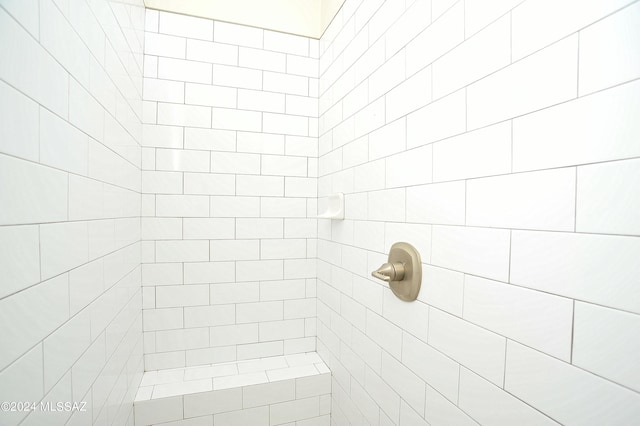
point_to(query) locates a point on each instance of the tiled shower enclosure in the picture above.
(161, 176)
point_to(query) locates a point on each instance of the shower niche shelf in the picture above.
(335, 207)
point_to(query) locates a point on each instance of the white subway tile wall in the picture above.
(70, 180)
(501, 139)
(230, 186)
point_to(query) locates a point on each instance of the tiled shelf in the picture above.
(293, 387)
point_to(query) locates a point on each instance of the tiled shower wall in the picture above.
(230, 184)
(70, 128)
(502, 140)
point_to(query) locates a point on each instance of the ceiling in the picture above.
(301, 17)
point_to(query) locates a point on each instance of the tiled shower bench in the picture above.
(285, 390)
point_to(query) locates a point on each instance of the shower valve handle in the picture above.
(389, 272)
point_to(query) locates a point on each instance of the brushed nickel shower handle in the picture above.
(389, 272)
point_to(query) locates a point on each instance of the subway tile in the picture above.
(216, 53)
(19, 257)
(606, 51)
(287, 43)
(213, 402)
(85, 112)
(260, 185)
(205, 316)
(480, 55)
(61, 40)
(182, 206)
(411, 167)
(30, 69)
(439, 120)
(442, 288)
(299, 65)
(283, 249)
(182, 160)
(261, 101)
(208, 272)
(244, 78)
(537, 200)
(259, 312)
(575, 265)
(161, 228)
(169, 296)
(161, 274)
(489, 404)
(182, 251)
(559, 20)
(232, 250)
(207, 95)
(61, 145)
(438, 410)
(438, 203)
(254, 270)
(23, 381)
(478, 14)
(286, 83)
(225, 335)
(184, 115)
(604, 343)
(209, 139)
(186, 26)
(285, 124)
(236, 163)
(298, 409)
(384, 333)
(233, 207)
(261, 59)
(387, 140)
(18, 129)
(432, 366)
(238, 34)
(410, 95)
(63, 246)
(162, 319)
(24, 329)
(232, 119)
(163, 90)
(594, 128)
(261, 143)
(166, 46)
(415, 19)
(162, 136)
(369, 118)
(159, 410)
(539, 320)
(605, 200)
(284, 165)
(389, 75)
(161, 182)
(441, 36)
(478, 251)
(474, 347)
(150, 66)
(180, 70)
(409, 386)
(541, 80)
(387, 205)
(482, 152)
(542, 382)
(209, 184)
(207, 229)
(63, 347)
(302, 105)
(386, 398)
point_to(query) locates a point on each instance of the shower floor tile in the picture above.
(204, 378)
